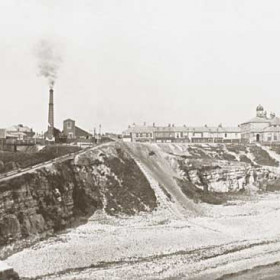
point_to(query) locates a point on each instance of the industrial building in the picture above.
(70, 133)
(75, 133)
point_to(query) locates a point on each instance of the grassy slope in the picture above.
(262, 157)
(12, 160)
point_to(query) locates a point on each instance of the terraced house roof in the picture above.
(139, 129)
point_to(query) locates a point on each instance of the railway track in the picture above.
(18, 172)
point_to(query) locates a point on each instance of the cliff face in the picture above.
(223, 176)
(127, 179)
(54, 198)
(208, 173)
(212, 181)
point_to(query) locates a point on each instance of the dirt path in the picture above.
(151, 159)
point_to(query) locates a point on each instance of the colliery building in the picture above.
(184, 134)
(73, 132)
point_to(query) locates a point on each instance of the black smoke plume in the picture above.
(49, 61)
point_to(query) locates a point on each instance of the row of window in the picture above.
(177, 135)
(270, 138)
(149, 135)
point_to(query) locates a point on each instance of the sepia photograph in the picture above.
(140, 140)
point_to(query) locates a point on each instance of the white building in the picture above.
(172, 133)
(19, 132)
(261, 128)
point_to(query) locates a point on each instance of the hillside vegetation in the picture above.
(13, 160)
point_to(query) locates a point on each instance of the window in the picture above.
(69, 125)
(225, 135)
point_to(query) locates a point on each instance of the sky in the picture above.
(184, 62)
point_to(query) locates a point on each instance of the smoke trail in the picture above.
(49, 61)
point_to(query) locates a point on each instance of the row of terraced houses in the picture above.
(261, 128)
(172, 133)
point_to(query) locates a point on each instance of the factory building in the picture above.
(75, 133)
(70, 133)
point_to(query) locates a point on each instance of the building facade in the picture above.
(20, 132)
(75, 133)
(182, 134)
(261, 128)
(69, 129)
(17, 135)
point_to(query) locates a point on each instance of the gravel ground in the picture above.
(229, 239)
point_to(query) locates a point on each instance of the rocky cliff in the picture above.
(62, 195)
(125, 179)
(208, 172)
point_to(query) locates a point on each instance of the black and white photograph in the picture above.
(139, 139)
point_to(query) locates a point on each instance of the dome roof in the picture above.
(260, 108)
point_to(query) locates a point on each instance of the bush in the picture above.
(245, 159)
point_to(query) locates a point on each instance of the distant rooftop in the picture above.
(145, 128)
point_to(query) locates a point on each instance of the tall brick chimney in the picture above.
(51, 116)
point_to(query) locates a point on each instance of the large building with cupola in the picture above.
(262, 128)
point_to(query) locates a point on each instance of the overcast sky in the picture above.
(164, 61)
